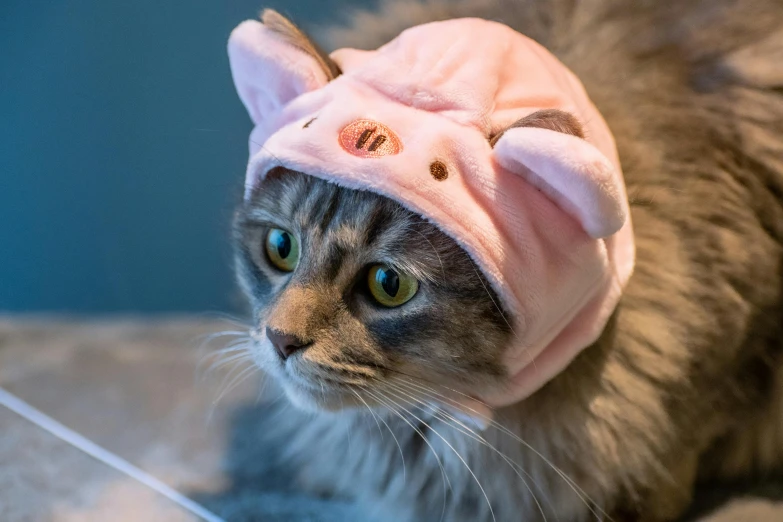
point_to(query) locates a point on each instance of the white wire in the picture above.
(64, 433)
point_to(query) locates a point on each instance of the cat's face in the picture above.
(350, 291)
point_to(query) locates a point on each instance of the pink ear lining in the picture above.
(269, 73)
(569, 170)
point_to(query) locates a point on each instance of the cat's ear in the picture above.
(571, 171)
(273, 62)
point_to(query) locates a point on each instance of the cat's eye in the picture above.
(389, 287)
(282, 249)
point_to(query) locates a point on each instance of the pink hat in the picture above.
(543, 213)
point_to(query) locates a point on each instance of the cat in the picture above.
(685, 381)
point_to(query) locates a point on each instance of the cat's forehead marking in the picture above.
(369, 139)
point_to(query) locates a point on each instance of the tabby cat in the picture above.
(364, 312)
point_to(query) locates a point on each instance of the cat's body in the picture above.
(686, 379)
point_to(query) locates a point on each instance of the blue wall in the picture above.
(122, 152)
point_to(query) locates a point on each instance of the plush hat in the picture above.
(544, 214)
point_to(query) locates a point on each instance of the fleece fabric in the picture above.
(543, 214)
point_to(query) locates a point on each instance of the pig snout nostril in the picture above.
(285, 344)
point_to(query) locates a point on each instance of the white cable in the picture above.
(64, 433)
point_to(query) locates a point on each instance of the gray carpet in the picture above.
(134, 387)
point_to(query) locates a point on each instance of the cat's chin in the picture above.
(316, 400)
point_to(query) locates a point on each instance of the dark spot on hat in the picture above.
(438, 170)
(309, 122)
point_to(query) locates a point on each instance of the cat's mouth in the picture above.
(316, 389)
(317, 392)
(314, 385)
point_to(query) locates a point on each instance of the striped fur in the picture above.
(684, 382)
(452, 328)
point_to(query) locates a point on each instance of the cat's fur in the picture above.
(685, 381)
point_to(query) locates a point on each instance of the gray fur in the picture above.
(451, 330)
(684, 382)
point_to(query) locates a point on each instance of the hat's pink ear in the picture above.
(268, 71)
(571, 171)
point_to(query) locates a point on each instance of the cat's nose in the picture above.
(284, 343)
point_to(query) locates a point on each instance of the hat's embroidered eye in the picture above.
(282, 249)
(389, 287)
(438, 170)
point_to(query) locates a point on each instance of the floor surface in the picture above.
(140, 390)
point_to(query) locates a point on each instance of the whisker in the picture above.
(402, 456)
(224, 333)
(497, 306)
(236, 381)
(415, 429)
(464, 462)
(456, 424)
(350, 425)
(225, 357)
(222, 389)
(206, 340)
(233, 346)
(227, 377)
(228, 318)
(262, 388)
(500, 311)
(375, 417)
(230, 358)
(583, 496)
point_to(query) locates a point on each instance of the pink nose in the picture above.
(284, 343)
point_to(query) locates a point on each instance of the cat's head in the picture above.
(352, 290)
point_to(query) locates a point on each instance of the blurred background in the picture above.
(122, 152)
(123, 148)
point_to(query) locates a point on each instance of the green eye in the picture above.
(282, 249)
(389, 287)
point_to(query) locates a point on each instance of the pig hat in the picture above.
(544, 214)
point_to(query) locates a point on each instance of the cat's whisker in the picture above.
(228, 318)
(464, 462)
(576, 489)
(503, 315)
(220, 391)
(384, 400)
(262, 388)
(206, 338)
(375, 417)
(239, 338)
(280, 411)
(233, 346)
(229, 357)
(459, 426)
(236, 381)
(583, 496)
(399, 447)
(415, 378)
(233, 357)
(392, 407)
(349, 424)
(494, 302)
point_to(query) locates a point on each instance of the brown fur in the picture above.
(686, 380)
(551, 119)
(293, 35)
